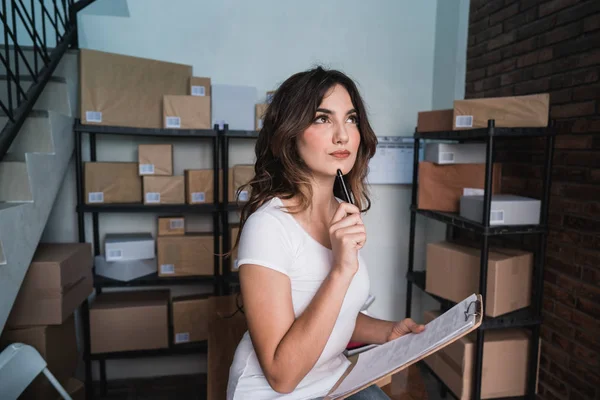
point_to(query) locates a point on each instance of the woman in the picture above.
(302, 278)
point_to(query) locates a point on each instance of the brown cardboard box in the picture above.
(155, 159)
(199, 185)
(122, 90)
(192, 316)
(260, 115)
(441, 186)
(125, 321)
(199, 86)
(57, 345)
(508, 112)
(435, 121)
(58, 280)
(186, 112)
(504, 372)
(171, 226)
(242, 174)
(185, 255)
(234, 231)
(453, 274)
(75, 389)
(164, 190)
(112, 182)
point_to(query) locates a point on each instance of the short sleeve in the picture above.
(264, 241)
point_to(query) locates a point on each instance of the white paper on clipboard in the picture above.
(393, 161)
(381, 360)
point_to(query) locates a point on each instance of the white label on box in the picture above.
(198, 91)
(447, 157)
(260, 123)
(146, 169)
(473, 192)
(176, 223)
(96, 197)
(167, 269)
(464, 121)
(243, 195)
(198, 197)
(152, 197)
(497, 217)
(93, 116)
(182, 337)
(173, 122)
(115, 254)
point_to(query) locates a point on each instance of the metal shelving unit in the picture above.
(154, 280)
(530, 317)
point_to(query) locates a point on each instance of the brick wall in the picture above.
(531, 46)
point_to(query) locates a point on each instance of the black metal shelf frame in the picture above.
(530, 317)
(153, 279)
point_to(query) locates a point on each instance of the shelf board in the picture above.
(460, 222)
(238, 134)
(522, 318)
(152, 280)
(173, 349)
(482, 133)
(132, 131)
(139, 207)
(235, 206)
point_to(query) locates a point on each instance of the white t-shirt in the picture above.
(274, 239)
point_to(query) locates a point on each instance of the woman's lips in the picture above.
(341, 154)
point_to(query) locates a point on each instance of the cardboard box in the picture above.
(57, 344)
(242, 174)
(186, 112)
(455, 153)
(112, 182)
(441, 186)
(164, 190)
(75, 389)
(505, 209)
(192, 316)
(435, 121)
(504, 372)
(199, 86)
(234, 231)
(121, 90)
(58, 280)
(260, 115)
(199, 186)
(453, 274)
(125, 321)
(155, 159)
(186, 255)
(128, 246)
(124, 271)
(169, 226)
(508, 112)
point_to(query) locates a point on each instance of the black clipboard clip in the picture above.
(476, 305)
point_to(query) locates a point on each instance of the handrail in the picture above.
(20, 99)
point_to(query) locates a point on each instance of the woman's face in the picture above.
(332, 140)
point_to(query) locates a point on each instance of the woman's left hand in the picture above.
(403, 327)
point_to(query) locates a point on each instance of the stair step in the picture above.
(54, 97)
(14, 182)
(35, 136)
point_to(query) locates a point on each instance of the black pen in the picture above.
(340, 176)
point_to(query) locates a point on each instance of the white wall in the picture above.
(387, 46)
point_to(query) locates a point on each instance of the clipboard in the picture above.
(384, 360)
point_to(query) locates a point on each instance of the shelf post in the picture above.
(413, 222)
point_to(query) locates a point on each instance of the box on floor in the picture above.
(187, 255)
(164, 190)
(192, 316)
(121, 90)
(441, 186)
(57, 344)
(126, 321)
(453, 274)
(155, 159)
(58, 280)
(112, 182)
(504, 370)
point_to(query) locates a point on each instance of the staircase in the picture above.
(31, 173)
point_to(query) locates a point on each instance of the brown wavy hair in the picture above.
(279, 170)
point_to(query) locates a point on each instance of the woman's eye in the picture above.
(353, 119)
(321, 119)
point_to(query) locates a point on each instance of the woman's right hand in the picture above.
(348, 235)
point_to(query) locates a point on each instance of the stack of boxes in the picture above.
(58, 280)
(452, 179)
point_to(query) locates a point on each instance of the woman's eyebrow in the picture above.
(327, 111)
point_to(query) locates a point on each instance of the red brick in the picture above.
(573, 110)
(572, 380)
(556, 354)
(505, 65)
(550, 7)
(587, 92)
(548, 305)
(562, 342)
(524, 46)
(592, 23)
(580, 158)
(532, 86)
(491, 83)
(490, 7)
(573, 142)
(558, 386)
(500, 92)
(558, 294)
(504, 13)
(584, 372)
(593, 209)
(589, 307)
(558, 325)
(488, 58)
(548, 393)
(561, 33)
(520, 20)
(535, 57)
(580, 77)
(557, 263)
(588, 340)
(577, 13)
(536, 28)
(583, 321)
(563, 312)
(480, 26)
(577, 45)
(558, 204)
(565, 236)
(581, 224)
(502, 40)
(586, 125)
(475, 75)
(569, 174)
(587, 356)
(591, 275)
(488, 34)
(554, 219)
(476, 51)
(595, 176)
(589, 58)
